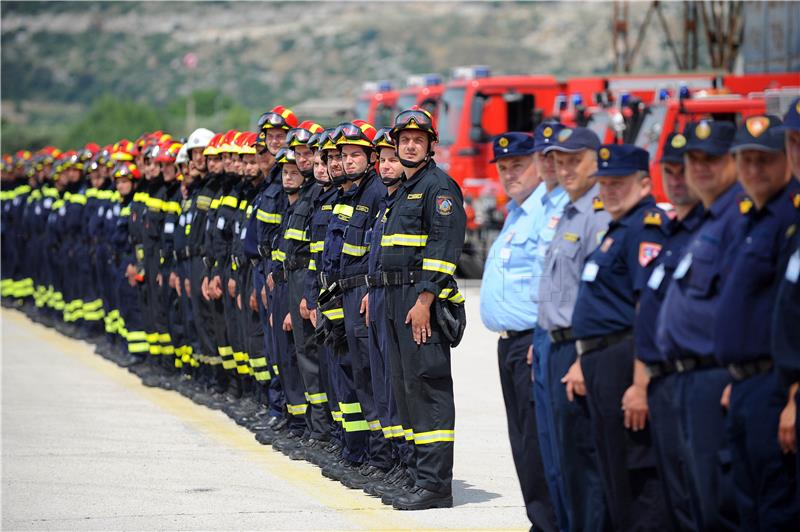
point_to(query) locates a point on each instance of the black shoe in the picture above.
(399, 487)
(286, 443)
(418, 498)
(335, 470)
(266, 437)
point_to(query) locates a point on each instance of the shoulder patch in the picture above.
(745, 205)
(652, 218)
(414, 196)
(597, 204)
(362, 208)
(648, 251)
(444, 205)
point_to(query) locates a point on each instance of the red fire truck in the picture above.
(377, 103)
(424, 90)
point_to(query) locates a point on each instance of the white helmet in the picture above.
(183, 155)
(199, 138)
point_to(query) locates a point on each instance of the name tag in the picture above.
(169, 228)
(656, 278)
(553, 222)
(683, 267)
(182, 220)
(571, 237)
(188, 217)
(236, 227)
(793, 268)
(117, 210)
(48, 203)
(38, 210)
(590, 272)
(62, 211)
(100, 212)
(109, 214)
(244, 233)
(220, 223)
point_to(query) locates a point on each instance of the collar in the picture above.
(724, 201)
(534, 200)
(584, 203)
(692, 220)
(422, 171)
(553, 196)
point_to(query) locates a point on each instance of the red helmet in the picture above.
(357, 133)
(126, 169)
(417, 119)
(167, 153)
(279, 117)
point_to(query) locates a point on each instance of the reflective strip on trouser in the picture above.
(242, 368)
(226, 352)
(260, 368)
(137, 342)
(165, 341)
(352, 417)
(286, 359)
(423, 386)
(152, 340)
(93, 311)
(316, 398)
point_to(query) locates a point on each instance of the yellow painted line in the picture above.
(362, 510)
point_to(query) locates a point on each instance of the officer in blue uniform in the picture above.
(509, 291)
(785, 333)
(612, 280)
(577, 234)
(764, 477)
(661, 391)
(683, 332)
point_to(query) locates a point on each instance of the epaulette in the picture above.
(745, 204)
(597, 204)
(652, 218)
(796, 200)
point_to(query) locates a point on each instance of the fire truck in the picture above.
(423, 90)
(377, 103)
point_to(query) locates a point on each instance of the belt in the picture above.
(353, 282)
(682, 365)
(296, 263)
(561, 335)
(375, 280)
(660, 369)
(600, 342)
(745, 370)
(401, 278)
(505, 335)
(326, 280)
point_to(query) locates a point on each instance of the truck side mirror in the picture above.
(476, 132)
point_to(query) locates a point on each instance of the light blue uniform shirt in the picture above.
(510, 287)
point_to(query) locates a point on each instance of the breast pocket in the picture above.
(410, 217)
(703, 269)
(356, 230)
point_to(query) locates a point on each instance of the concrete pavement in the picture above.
(86, 447)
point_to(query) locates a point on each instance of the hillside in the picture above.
(59, 58)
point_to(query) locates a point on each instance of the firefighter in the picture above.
(421, 244)
(665, 420)
(374, 308)
(763, 471)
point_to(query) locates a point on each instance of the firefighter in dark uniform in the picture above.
(421, 244)
(763, 472)
(611, 281)
(665, 421)
(324, 202)
(785, 335)
(297, 241)
(684, 337)
(391, 174)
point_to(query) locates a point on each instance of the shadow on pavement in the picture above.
(464, 493)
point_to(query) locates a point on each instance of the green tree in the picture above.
(110, 119)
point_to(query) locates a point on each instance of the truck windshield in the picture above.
(650, 130)
(450, 115)
(406, 101)
(362, 109)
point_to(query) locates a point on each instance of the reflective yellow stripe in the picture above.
(423, 438)
(243, 205)
(126, 211)
(214, 204)
(312, 265)
(258, 362)
(296, 234)
(341, 208)
(268, 217)
(297, 410)
(138, 347)
(455, 298)
(278, 255)
(337, 416)
(435, 265)
(400, 239)
(374, 425)
(154, 204)
(317, 247)
(230, 201)
(409, 434)
(77, 198)
(316, 398)
(334, 314)
(355, 426)
(355, 251)
(225, 350)
(171, 206)
(350, 408)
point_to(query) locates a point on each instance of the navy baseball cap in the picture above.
(620, 160)
(763, 133)
(709, 136)
(512, 144)
(674, 148)
(791, 120)
(545, 135)
(574, 139)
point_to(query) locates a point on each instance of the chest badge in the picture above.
(648, 251)
(606, 245)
